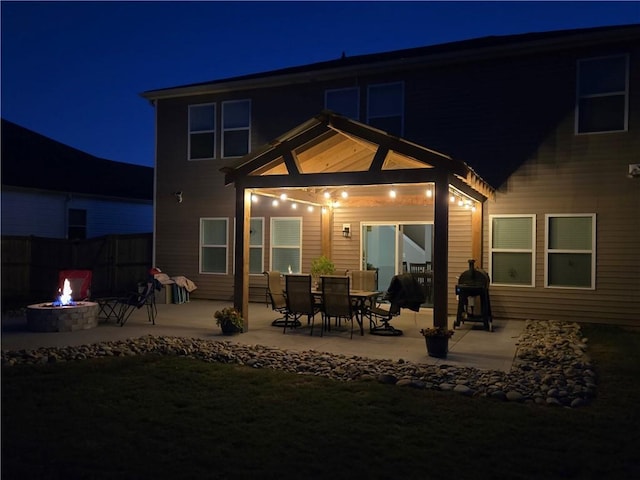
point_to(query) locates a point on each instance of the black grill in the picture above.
(474, 304)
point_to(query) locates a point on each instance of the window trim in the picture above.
(548, 251)
(532, 251)
(261, 246)
(223, 130)
(625, 93)
(190, 132)
(332, 90)
(201, 245)
(402, 102)
(272, 244)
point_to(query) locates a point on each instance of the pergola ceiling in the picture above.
(335, 152)
(332, 152)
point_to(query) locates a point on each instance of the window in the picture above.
(77, 224)
(202, 131)
(286, 241)
(213, 245)
(512, 260)
(345, 101)
(602, 95)
(385, 107)
(570, 245)
(236, 128)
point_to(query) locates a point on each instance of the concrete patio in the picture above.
(470, 346)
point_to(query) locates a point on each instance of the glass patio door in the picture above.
(379, 250)
(391, 247)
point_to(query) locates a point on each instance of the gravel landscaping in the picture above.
(551, 365)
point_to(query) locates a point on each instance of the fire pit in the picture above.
(45, 317)
(63, 315)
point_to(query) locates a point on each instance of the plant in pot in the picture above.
(437, 339)
(321, 266)
(229, 320)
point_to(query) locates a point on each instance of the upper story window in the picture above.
(236, 128)
(603, 89)
(345, 101)
(385, 108)
(202, 131)
(512, 250)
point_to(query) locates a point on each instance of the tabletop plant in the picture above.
(321, 266)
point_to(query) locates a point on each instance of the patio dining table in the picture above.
(360, 297)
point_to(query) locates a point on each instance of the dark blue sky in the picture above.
(73, 71)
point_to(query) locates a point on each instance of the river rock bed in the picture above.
(551, 365)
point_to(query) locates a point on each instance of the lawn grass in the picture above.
(166, 417)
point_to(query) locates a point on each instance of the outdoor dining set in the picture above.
(352, 297)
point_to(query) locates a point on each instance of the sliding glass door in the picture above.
(392, 247)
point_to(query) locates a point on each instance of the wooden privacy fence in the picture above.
(30, 265)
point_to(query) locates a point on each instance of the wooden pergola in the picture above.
(331, 150)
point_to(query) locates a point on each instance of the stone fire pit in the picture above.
(44, 317)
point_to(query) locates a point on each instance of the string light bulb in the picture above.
(392, 193)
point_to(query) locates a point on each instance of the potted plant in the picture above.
(437, 339)
(321, 266)
(229, 320)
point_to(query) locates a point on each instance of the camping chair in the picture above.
(79, 282)
(299, 300)
(144, 297)
(424, 275)
(404, 291)
(277, 297)
(336, 300)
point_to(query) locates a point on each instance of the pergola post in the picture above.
(441, 250)
(241, 253)
(326, 226)
(476, 235)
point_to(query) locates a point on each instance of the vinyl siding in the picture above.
(587, 174)
(509, 118)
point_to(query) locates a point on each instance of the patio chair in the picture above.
(144, 297)
(364, 280)
(79, 282)
(336, 300)
(276, 297)
(404, 292)
(300, 301)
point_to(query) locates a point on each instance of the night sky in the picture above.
(74, 71)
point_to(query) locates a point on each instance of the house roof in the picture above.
(333, 150)
(460, 51)
(31, 160)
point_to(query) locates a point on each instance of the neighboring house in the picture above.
(52, 190)
(538, 134)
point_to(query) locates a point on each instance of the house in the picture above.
(516, 151)
(53, 190)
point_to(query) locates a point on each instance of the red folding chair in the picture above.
(79, 282)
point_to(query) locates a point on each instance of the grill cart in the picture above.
(473, 297)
